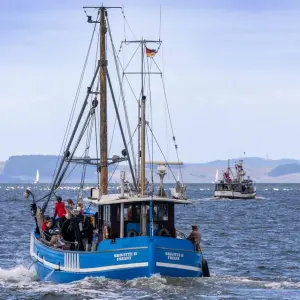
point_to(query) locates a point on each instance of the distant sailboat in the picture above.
(217, 177)
(37, 178)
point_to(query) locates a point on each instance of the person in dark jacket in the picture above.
(60, 211)
(195, 237)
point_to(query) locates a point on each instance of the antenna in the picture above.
(159, 22)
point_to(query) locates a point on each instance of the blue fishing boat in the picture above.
(122, 235)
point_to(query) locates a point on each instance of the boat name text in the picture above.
(125, 256)
(174, 255)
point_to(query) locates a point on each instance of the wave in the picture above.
(18, 274)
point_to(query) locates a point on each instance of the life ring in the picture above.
(205, 269)
(164, 232)
(105, 233)
(132, 233)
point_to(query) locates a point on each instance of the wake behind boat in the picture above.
(120, 236)
(233, 185)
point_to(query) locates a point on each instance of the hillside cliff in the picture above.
(23, 168)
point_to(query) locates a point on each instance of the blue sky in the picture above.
(232, 73)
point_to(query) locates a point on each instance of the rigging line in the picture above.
(136, 98)
(85, 103)
(65, 177)
(151, 118)
(128, 23)
(156, 63)
(87, 121)
(130, 60)
(70, 172)
(113, 172)
(75, 101)
(70, 156)
(122, 94)
(87, 149)
(166, 118)
(150, 159)
(124, 27)
(123, 70)
(161, 152)
(114, 127)
(96, 133)
(121, 128)
(124, 75)
(170, 119)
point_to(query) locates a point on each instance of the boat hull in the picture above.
(234, 195)
(126, 258)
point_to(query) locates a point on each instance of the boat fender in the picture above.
(164, 232)
(132, 233)
(205, 269)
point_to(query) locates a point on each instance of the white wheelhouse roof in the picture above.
(116, 199)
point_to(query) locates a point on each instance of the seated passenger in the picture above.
(195, 237)
(57, 239)
(44, 225)
(48, 230)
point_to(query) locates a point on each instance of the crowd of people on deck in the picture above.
(51, 227)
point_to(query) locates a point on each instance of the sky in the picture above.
(231, 72)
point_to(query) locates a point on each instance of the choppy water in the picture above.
(252, 248)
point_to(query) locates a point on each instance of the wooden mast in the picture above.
(103, 104)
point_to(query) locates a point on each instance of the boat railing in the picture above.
(180, 234)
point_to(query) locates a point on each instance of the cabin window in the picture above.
(160, 212)
(106, 213)
(128, 212)
(131, 212)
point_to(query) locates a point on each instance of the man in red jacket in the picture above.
(60, 211)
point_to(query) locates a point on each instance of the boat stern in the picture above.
(176, 258)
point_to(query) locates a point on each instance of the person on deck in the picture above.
(57, 240)
(48, 230)
(80, 208)
(44, 225)
(60, 211)
(195, 237)
(69, 208)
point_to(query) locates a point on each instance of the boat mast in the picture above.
(142, 136)
(143, 126)
(103, 174)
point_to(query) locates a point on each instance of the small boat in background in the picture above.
(233, 185)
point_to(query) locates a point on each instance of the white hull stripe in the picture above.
(176, 266)
(233, 194)
(84, 270)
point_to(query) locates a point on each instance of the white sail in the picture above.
(37, 178)
(217, 176)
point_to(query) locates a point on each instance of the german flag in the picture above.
(150, 52)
